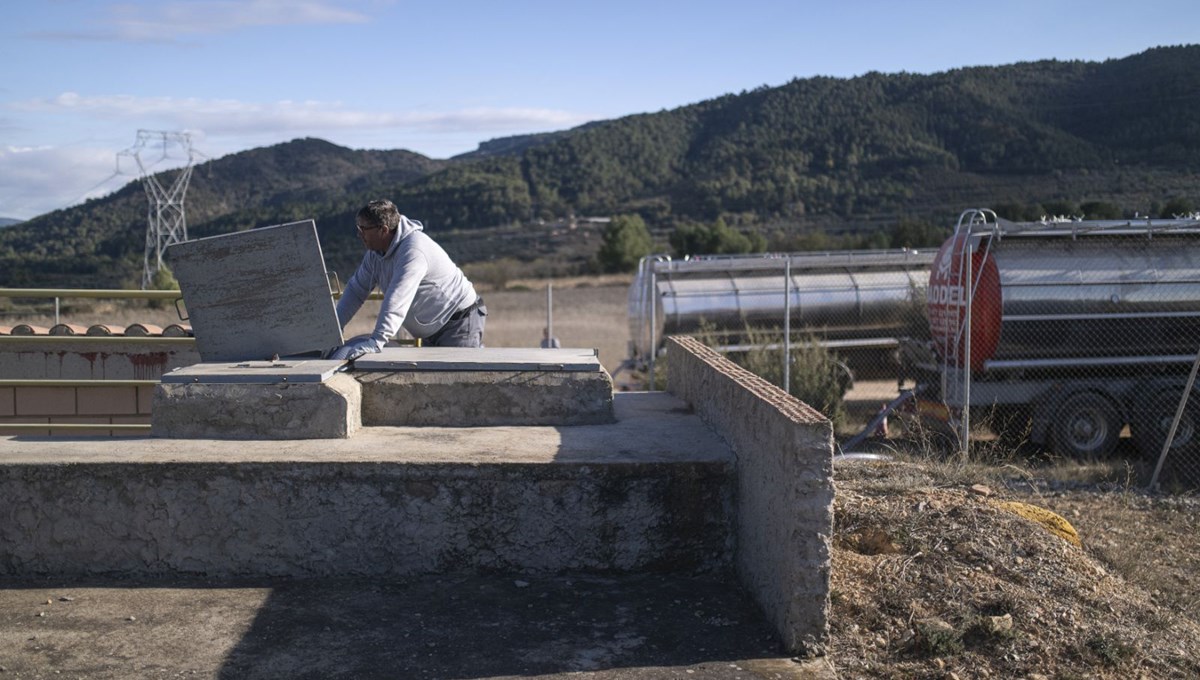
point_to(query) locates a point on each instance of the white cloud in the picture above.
(232, 117)
(40, 179)
(43, 178)
(168, 21)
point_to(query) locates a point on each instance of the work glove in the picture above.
(364, 344)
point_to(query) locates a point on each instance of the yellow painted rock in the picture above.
(1055, 524)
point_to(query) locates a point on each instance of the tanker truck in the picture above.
(1064, 332)
(854, 303)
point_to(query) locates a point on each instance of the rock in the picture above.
(996, 625)
(131, 618)
(872, 541)
(981, 489)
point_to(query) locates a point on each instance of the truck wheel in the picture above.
(1086, 425)
(1153, 424)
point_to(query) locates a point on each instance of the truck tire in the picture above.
(1086, 426)
(1153, 423)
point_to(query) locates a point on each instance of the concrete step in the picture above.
(652, 491)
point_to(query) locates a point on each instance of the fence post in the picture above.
(653, 322)
(787, 326)
(1187, 393)
(964, 440)
(549, 312)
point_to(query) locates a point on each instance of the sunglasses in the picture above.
(361, 229)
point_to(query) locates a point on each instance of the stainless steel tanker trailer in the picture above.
(857, 303)
(1068, 332)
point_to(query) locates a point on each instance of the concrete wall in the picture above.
(360, 518)
(784, 499)
(652, 491)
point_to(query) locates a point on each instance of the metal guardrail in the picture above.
(114, 294)
(109, 294)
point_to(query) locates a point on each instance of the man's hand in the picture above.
(356, 348)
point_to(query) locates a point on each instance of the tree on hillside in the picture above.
(626, 240)
(1100, 210)
(1177, 206)
(714, 239)
(911, 233)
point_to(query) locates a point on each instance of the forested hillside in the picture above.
(835, 154)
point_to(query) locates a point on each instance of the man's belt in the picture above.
(462, 313)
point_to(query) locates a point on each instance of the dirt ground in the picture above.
(582, 627)
(935, 577)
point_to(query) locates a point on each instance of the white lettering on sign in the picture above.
(945, 294)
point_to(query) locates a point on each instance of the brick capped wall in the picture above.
(783, 452)
(90, 404)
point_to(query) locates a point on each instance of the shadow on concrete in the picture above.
(628, 626)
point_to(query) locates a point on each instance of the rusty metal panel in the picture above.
(256, 294)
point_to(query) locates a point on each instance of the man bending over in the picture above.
(423, 290)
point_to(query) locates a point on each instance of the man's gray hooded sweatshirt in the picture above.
(421, 285)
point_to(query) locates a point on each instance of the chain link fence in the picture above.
(1077, 337)
(844, 314)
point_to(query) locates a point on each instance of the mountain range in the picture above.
(831, 154)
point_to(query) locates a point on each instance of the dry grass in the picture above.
(931, 578)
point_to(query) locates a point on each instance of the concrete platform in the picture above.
(650, 492)
(257, 409)
(400, 386)
(459, 387)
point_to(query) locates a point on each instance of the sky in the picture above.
(79, 79)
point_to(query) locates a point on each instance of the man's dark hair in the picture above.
(380, 213)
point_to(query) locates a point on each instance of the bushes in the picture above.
(816, 376)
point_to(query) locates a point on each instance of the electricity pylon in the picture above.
(166, 218)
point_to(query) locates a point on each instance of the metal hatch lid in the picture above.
(479, 359)
(252, 295)
(256, 372)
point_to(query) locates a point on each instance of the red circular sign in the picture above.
(947, 302)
